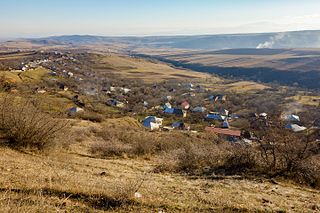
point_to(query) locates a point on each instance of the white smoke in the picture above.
(271, 42)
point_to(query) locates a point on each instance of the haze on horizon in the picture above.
(36, 18)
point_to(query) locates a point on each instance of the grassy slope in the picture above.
(71, 179)
(65, 181)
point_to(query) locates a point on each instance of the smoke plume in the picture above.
(272, 41)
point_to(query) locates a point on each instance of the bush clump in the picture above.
(23, 125)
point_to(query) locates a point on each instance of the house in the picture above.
(169, 110)
(295, 127)
(63, 87)
(168, 98)
(53, 73)
(263, 115)
(232, 135)
(199, 109)
(178, 125)
(75, 110)
(145, 104)
(224, 112)
(112, 89)
(175, 111)
(41, 91)
(215, 116)
(166, 105)
(291, 118)
(191, 94)
(190, 86)
(221, 98)
(124, 90)
(180, 112)
(115, 103)
(234, 116)
(152, 122)
(217, 98)
(185, 105)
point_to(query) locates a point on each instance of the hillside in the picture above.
(298, 39)
(284, 66)
(73, 182)
(287, 58)
(75, 137)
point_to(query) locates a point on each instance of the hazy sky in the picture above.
(32, 18)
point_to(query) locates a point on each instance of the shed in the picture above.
(75, 110)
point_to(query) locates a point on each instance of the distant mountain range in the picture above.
(296, 39)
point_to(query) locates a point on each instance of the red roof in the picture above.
(229, 132)
(185, 105)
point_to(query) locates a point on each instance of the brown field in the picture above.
(148, 71)
(291, 59)
(306, 100)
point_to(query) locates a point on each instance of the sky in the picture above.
(37, 18)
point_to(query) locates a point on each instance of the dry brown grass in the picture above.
(72, 182)
(306, 100)
(149, 72)
(23, 125)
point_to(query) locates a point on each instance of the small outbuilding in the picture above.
(152, 122)
(75, 110)
(115, 103)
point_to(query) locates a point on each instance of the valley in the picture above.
(155, 130)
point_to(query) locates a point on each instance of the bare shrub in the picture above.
(117, 140)
(192, 158)
(91, 116)
(25, 126)
(239, 159)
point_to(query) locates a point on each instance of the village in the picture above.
(187, 106)
(124, 117)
